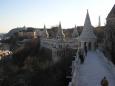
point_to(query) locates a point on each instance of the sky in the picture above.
(36, 13)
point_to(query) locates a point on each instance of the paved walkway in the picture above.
(94, 69)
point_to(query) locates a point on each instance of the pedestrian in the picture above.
(85, 48)
(104, 82)
(81, 56)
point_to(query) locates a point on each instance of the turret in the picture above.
(45, 33)
(99, 22)
(60, 34)
(87, 36)
(75, 33)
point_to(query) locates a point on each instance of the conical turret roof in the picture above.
(60, 34)
(112, 13)
(75, 33)
(45, 33)
(87, 33)
(87, 20)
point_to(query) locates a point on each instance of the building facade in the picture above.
(27, 33)
(109, 34)
(60, 43)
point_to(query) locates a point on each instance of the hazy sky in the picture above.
(36, 13)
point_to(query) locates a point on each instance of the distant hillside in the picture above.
(15, 30)
(33, 66)
(12, 31)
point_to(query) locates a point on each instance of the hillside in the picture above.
(33, 66)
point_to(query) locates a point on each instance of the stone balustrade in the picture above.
(75, 71)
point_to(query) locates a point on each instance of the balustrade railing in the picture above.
(75, 71)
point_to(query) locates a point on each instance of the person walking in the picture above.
(104, 82)
(81, 56)
(85, 48)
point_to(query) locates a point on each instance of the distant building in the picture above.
(59, 43)
(28, 33)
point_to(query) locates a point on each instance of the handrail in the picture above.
(75, 71)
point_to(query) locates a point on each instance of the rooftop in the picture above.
(112, 13)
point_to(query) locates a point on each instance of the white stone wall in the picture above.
(56, 45)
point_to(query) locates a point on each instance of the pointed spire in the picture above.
(87, 19)
(60, 24)
(87, 33)
(75, 26)
(44, 26)
(60, 34)
(75, 33)
(99, 22)
(45, 32)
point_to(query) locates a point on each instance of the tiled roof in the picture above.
(112, 13)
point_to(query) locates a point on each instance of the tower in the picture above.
(75, 33)
(60, 35)
(45, 33)
(99, 22)
(87, 36)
